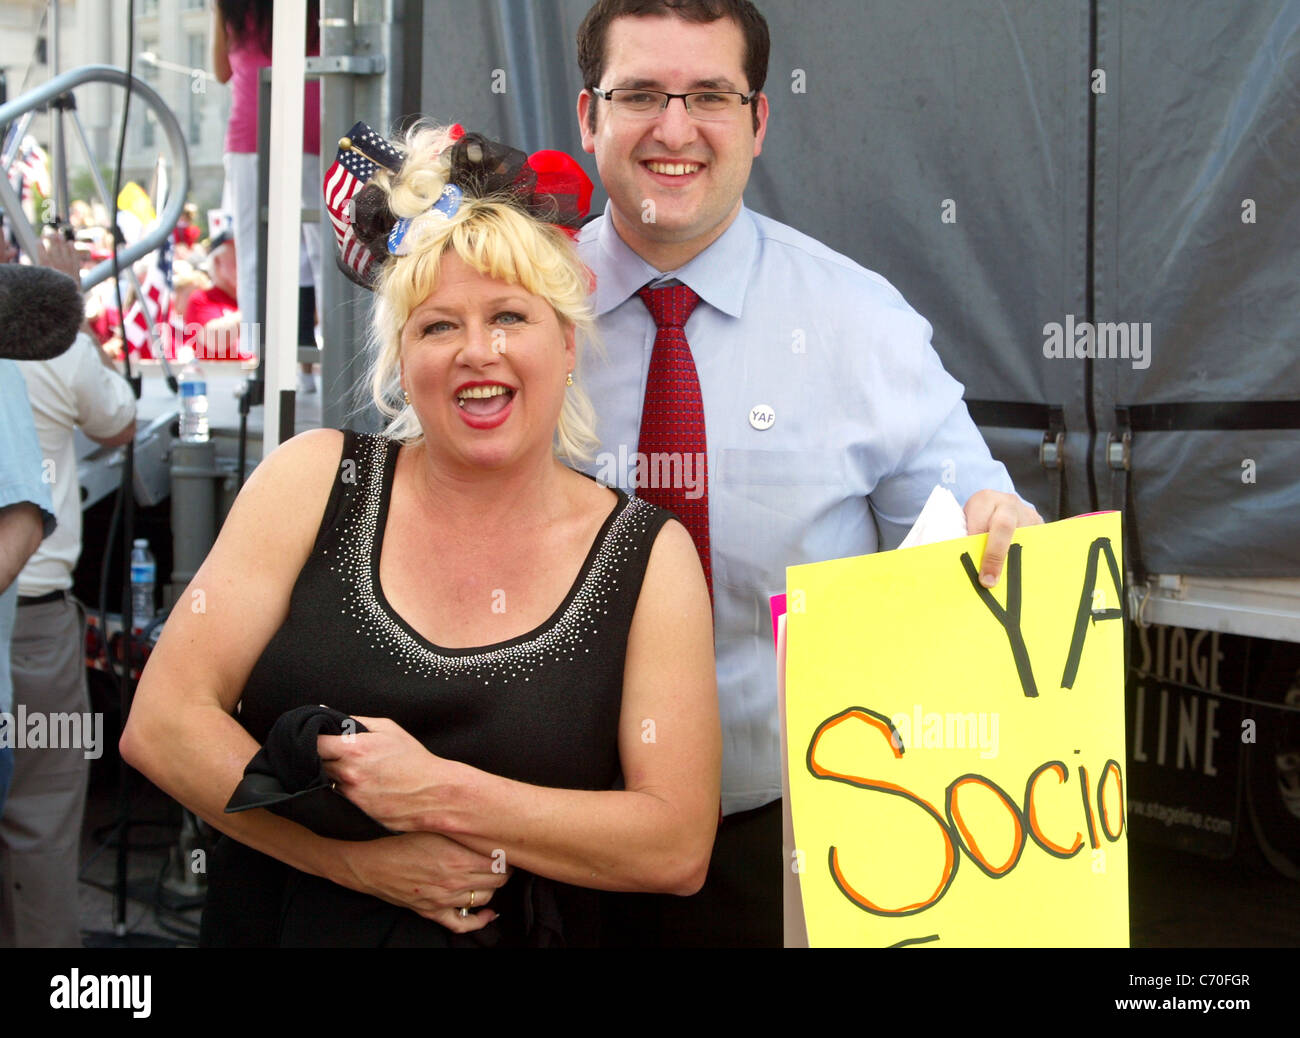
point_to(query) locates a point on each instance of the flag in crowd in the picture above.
(29, 175)
(141, 320)
(150, 320)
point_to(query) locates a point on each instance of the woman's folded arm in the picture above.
(181, 733)
(654, 835)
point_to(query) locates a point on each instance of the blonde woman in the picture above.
(529, 652)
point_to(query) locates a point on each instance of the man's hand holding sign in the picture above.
(999, 515)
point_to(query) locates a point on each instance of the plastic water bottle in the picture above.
(194, 404)
(143, 573)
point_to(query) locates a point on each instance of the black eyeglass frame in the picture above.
(608, 95)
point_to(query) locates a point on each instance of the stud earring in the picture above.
(407, 397)
(568, 381)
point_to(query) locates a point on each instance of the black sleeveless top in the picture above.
(541, 708)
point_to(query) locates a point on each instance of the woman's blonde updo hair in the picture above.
(497, 239)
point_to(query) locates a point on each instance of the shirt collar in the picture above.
(719, 275)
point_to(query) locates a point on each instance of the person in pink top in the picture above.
(241, 48)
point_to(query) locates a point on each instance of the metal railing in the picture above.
(23, 107)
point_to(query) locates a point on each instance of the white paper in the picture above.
(942, 519)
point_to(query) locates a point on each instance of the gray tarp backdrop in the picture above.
(1010, 165)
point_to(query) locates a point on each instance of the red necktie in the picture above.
(673, 443)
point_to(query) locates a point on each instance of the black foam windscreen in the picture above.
(40, 312)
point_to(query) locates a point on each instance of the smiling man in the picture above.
(676, 176)
(805, 382)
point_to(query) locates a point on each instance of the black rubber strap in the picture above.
(1014, 414)
(1011, 414)
(1207, 416)
(1215, 416)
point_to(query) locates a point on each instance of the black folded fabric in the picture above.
(286, 777)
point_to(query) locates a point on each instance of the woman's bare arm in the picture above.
(220, 52)
(181, 732)
(656, 834)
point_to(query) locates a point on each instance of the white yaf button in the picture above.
(762, 417)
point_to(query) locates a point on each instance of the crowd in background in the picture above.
(189, 268)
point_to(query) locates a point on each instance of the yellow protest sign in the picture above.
(132, 199)
(956, 756)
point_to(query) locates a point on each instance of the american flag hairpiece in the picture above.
(362, 153)
(547, 185)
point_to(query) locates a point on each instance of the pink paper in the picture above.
(778, 610)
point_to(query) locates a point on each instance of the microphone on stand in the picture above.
(40, 312)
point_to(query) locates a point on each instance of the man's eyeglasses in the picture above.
(636, 103)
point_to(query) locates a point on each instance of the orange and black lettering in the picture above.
(968, 840)
(1031, 812)
(1087, 807)
(1101, 800)
(951, 859)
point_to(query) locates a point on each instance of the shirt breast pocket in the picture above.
(765, 507)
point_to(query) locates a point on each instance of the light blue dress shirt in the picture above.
(20, 480)
(862, 423)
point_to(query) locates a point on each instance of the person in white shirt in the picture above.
(40, 831)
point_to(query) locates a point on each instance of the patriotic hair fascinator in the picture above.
(362, 153)
(447, 206)
(548, 185)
